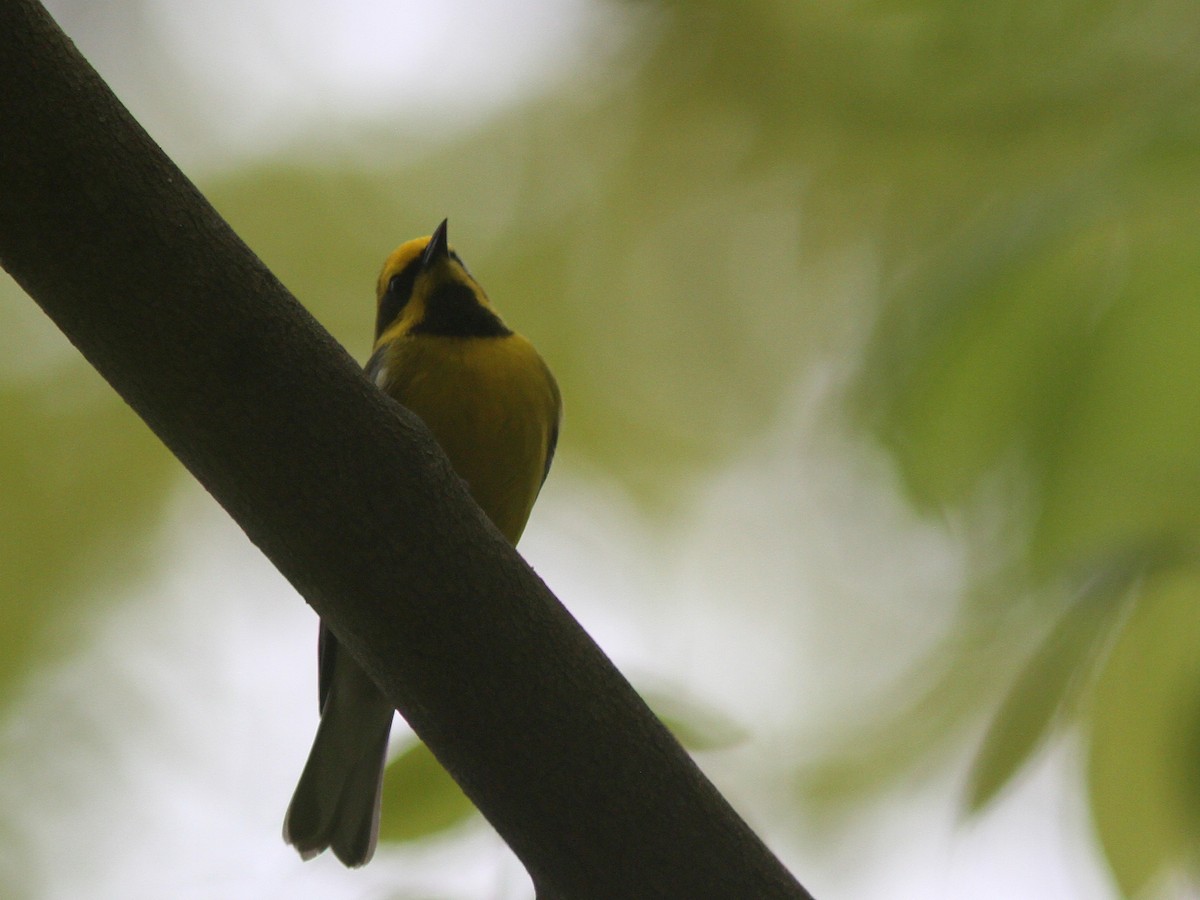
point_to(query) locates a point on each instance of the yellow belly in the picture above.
(493, 406)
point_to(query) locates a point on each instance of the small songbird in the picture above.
(442, 351)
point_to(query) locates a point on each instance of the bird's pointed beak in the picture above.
(438, 247)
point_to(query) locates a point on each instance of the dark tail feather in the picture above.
(336, 803)
(356, 825)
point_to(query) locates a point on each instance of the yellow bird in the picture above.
(442, 351)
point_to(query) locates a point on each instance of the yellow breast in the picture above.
(494, 408)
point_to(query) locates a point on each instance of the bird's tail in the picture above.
(336, 804)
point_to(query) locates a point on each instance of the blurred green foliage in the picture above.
(1144, 729)
(420, 797)
(80, 482)
(1003, 191)
(1045, 342)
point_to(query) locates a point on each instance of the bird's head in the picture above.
(425, 288)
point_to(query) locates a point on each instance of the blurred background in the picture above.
(877, 326)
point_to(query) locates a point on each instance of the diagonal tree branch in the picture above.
(349, 497)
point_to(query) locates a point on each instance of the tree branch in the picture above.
(349, 497)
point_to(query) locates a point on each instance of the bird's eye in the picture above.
(395, 297)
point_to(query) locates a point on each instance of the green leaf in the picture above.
(1144, 739)
(420, 798)
(977, 366)
(1122, 467)
(1044, 692)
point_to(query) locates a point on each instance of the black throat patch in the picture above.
(453, 310)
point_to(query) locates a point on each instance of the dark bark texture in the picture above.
(349, 497)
